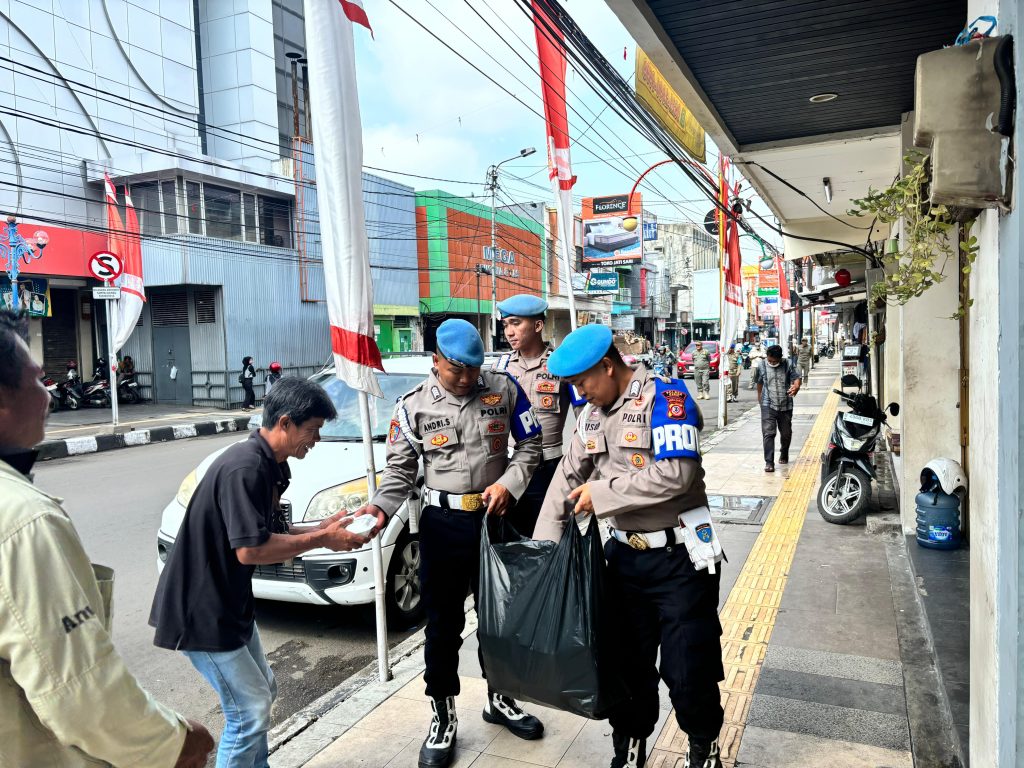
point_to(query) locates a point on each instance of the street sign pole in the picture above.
(111, 359)
(107, 266)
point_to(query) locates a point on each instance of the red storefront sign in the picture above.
(67, 254)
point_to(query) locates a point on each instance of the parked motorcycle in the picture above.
(68, 390)
(95, 393)
(51, 387)
(846, 468)
(128, 390)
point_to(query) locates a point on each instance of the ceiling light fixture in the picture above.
(822, 98)
(828, 189)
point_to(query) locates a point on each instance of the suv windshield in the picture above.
(347, 426)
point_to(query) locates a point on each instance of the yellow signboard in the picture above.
(664, 103)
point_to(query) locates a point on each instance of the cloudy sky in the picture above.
(427, 111)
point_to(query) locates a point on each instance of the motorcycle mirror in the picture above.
(894, 409)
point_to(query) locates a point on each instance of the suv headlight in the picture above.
(330, 501)
(187, 488)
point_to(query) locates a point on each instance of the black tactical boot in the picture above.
(629, 753)
(702, 755)
(503, 710)
(438, 749)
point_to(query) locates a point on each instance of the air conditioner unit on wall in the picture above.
(964, 100)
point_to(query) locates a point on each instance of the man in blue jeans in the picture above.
(204, 604)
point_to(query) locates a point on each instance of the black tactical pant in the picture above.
(776, 422)
(449, 569)
(660, 599)
(523, 515)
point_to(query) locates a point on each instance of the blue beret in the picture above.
(460, 342)
(581, 351)
(522, 305)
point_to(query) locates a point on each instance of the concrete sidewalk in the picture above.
(813, 672)
(88, 430)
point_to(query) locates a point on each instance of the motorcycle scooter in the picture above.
(846, 468)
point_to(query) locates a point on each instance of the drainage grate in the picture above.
(742, 510)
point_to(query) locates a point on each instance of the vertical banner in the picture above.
(732, 267)
(785, 317)
(133, 292)
(551, 53)
(338, 148)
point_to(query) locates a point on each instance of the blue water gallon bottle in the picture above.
(938, 520)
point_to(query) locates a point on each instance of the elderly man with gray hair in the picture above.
(67, 698)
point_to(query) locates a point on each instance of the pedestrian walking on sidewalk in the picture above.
(702, 372)
(735, 363)
(245, 378)
(756, 355)
(204, 604)
(67, 698)
(803, 358)
(522, 317)
(662, 581)
(777, 382)
(460, 419)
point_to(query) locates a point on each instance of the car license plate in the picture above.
(857, 419)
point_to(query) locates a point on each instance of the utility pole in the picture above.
(492, 180)
(492, 184)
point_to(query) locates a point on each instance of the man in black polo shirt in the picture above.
(204, 604)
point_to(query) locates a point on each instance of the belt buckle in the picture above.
(638, 541)
(471, 502)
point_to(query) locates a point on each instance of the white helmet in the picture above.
(946, 472)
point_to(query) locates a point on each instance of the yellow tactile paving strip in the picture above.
(749, 614)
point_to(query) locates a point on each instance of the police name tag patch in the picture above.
(674, 421)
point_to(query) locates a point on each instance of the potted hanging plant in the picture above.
(924, 251)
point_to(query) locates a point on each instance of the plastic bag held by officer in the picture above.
(66, 698)
(634, 461)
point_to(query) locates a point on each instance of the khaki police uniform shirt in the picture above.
(463, 440)
(803, 354)
(701, 359)
(548, 394)
(735, 363)
(613, 450)
(67, 700)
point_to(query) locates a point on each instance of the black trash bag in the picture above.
(543, 620)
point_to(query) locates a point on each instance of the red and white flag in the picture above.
(133, 292)
(551, 52)
(115, 225)
(732, 263)
(338, 129)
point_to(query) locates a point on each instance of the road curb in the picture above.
(76, 446)
(295, 741)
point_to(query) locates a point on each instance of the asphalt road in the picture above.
(116, 499)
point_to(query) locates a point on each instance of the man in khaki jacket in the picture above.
(66, 696)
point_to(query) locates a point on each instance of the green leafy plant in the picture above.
(925, 247)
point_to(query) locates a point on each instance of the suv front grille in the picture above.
(293, 571)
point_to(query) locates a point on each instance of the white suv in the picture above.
(332, 477)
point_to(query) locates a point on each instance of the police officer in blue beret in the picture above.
(635, 462)
(460, 421)
(522, 317)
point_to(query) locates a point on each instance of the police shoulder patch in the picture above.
(635, 387)
(674, 422)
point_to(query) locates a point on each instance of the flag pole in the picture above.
(723, 360)
(383, 663)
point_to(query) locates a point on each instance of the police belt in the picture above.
(453, 502)
(652, 540)
(552, 452)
